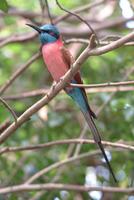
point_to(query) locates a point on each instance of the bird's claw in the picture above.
(53, 85)
(61, 79)
(47, 95)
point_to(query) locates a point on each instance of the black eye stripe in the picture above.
(51, 33)
(46, 31)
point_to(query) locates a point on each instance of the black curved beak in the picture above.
(34, 27)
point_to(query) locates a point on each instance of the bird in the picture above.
(58, 61)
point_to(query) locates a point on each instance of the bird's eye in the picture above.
(52, 33)
(45, 31)
(49, 32)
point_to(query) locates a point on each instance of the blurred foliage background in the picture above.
(61, 119)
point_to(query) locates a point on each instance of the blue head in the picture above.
(47, 33)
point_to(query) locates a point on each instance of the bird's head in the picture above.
(47, 33)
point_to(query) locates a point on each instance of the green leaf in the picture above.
(4, 5)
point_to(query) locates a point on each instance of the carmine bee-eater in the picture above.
(58, 61)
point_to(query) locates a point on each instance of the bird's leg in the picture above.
(92, 42)
(52, 88)
(71, 68)
(67, 84)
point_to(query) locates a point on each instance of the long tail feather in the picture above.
(97, 139)
(81, 100)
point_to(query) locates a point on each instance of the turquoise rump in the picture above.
(78, 97)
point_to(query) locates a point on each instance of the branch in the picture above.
(18, 38)
(114, 45)
(130, 71)
(22, 13)
(61, 84)
(61, 142)
(122, 83)
(9, 109)
(60, 186)
(61, 163)
(24, 95)
(40, 92)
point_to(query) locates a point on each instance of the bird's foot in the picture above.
(47, 95)
(61, 79)
(53, 85)
(92, 41)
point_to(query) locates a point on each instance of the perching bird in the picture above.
(58, 61)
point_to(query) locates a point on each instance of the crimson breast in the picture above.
(53, 59)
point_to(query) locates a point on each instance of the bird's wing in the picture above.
(69, 60)
(67, 57)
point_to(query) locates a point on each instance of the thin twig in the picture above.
(48, 12)
(59, 164)
(14, 11)
(9, 109)
(128, 73)
(62, 142)
(78, 10)
(80, 18)
(61, 186)
(18, 38)
(42, 5)
(91, 88)
(110, 84)
(101, 43)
